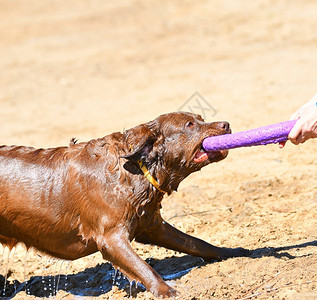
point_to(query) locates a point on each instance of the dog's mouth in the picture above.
(202, 155)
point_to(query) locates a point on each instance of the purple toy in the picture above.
(270, 134)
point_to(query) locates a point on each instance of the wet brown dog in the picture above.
(72, 201)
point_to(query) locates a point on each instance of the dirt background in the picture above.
(82, 68)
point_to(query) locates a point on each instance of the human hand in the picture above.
(306, 126)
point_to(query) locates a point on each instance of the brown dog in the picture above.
(72, 201)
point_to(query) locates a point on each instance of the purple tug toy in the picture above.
(270, 134)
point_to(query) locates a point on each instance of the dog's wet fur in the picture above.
(70, 202)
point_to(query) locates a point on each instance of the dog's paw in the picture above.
(165, 292)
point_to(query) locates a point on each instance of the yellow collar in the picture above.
(147, 174)
(149, 177)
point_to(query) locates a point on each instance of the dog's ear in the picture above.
(139, 140)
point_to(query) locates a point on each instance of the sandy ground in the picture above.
(82, 68)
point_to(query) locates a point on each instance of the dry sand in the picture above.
(82, 68)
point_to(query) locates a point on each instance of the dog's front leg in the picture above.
(169, 237)
(117, 249)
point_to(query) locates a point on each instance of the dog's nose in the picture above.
(224, 125)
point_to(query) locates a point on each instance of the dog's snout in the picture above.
(224, 125)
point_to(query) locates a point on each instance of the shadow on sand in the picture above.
(98, 280)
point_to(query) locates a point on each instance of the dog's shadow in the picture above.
(100, 279)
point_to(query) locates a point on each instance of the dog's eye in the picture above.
(189, 124)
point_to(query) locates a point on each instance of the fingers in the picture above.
(297, 114)
(294, 133)
(282, 145)
(296, 136)
(303, 130)
(306, 126)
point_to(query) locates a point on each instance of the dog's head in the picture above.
(172, 145)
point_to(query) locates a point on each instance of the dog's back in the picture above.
(38, 204)
(30, 191)
(54, 199)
